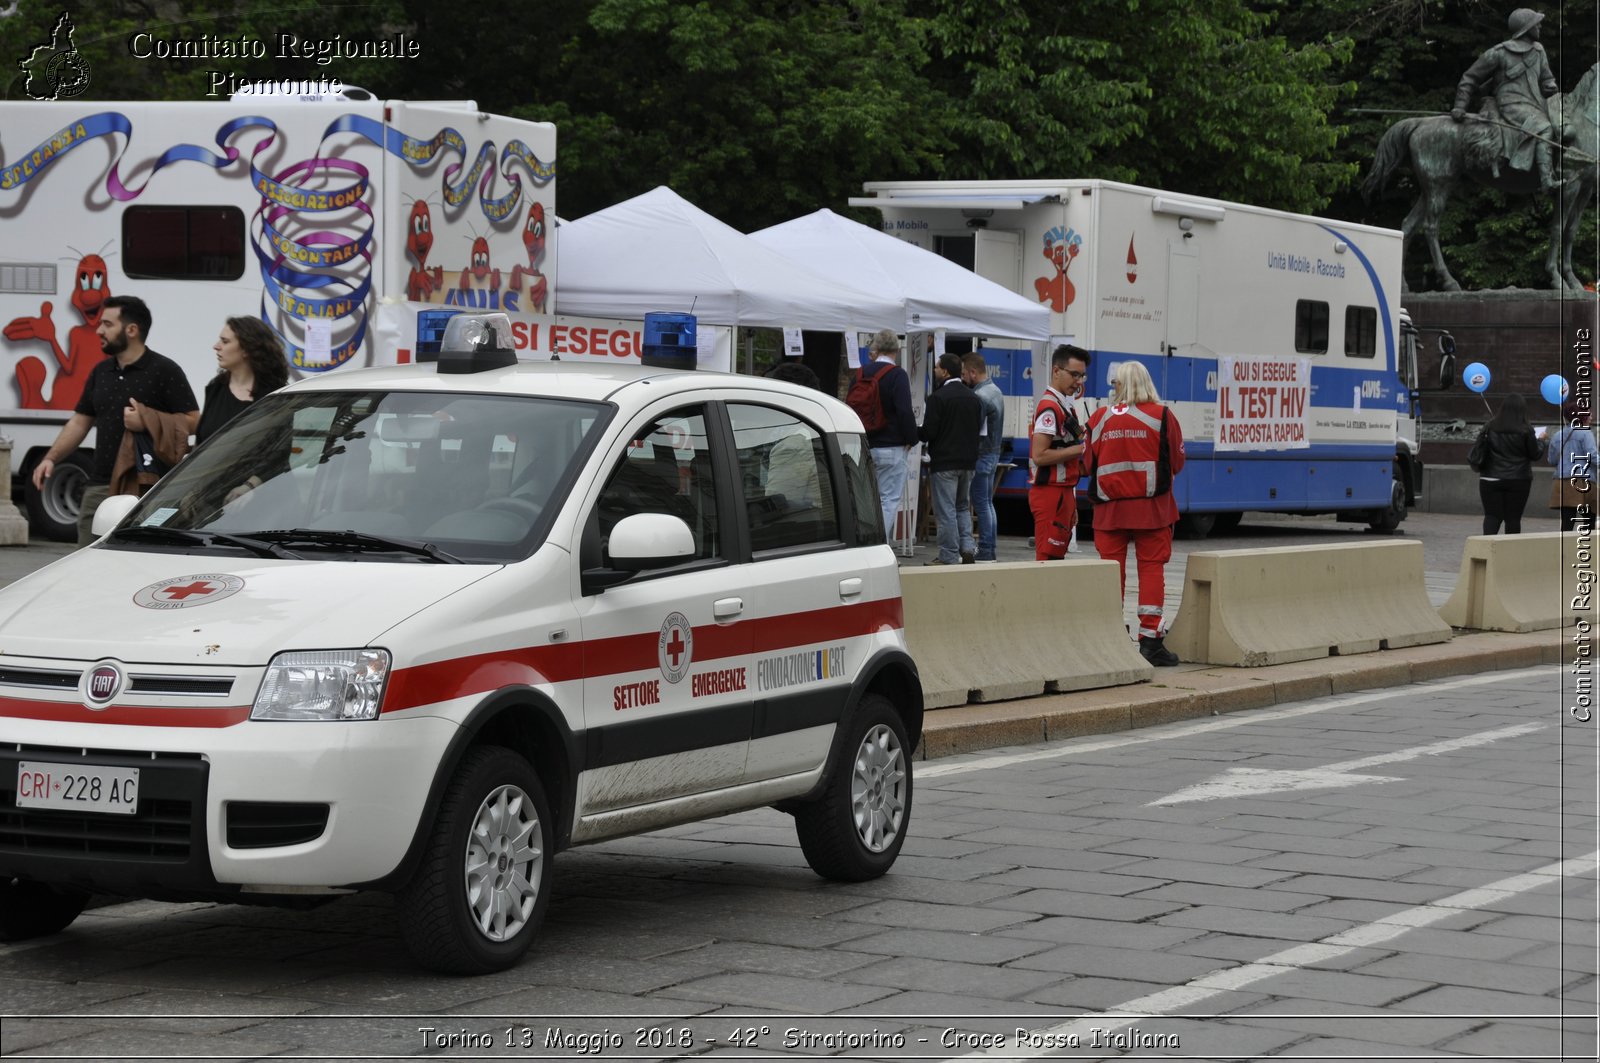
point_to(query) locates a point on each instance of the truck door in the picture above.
(997, 256)
(1183, 295)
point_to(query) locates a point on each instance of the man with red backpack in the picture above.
(1135, 449)
(881, 397)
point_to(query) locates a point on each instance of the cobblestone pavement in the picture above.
(1393, 874)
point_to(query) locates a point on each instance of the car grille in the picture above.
(204, 686)
(171, 809)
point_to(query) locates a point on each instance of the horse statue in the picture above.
(1440, 152)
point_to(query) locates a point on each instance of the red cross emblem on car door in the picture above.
(675, 647)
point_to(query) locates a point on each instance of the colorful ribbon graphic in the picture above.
(327, 256)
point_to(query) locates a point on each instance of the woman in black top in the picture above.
(250, 364)
(1507, 473)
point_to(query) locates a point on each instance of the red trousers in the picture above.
(1055, 511)
(1152, 548)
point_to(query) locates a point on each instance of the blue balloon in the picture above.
(1554, 389)
(1476, 377)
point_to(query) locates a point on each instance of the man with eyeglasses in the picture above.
(1054, 451)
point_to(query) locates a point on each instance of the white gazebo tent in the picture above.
(659, 252)
(938, 294)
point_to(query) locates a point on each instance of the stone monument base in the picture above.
(1522, 335)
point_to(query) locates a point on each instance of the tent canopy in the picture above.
(938, 294)
(659, 252)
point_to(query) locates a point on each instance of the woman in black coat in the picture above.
(1506, 473)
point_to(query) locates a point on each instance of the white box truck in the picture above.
(1278, 338)
(320, 215)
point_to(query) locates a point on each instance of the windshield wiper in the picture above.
(156, 533)
(357, 541)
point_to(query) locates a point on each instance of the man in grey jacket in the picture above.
(991, 440)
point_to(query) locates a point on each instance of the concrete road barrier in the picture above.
(992, 632)
(1297, 603)
(1523, 582)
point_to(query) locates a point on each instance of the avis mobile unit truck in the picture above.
(1277, 338)
(325, 216)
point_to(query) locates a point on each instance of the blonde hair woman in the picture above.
(1135, 448)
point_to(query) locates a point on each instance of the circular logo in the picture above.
(675, 647)
(1477, 381)
(67, 75)
(101, 684)
(181, 592)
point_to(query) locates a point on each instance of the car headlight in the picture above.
(323, 685)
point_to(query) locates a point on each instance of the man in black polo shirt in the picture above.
(118, 389)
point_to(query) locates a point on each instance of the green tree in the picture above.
(1197, 95)
(754, 110)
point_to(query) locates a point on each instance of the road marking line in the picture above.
(1251, 782)
(1071, 747)
(1230, 979)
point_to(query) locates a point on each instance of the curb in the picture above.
(1195, 690)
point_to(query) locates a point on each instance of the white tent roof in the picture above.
(660, 252)
(937, 292)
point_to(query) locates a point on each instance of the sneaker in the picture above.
(967, 559)
(985, 560)
(938, 561)
(1155, 651)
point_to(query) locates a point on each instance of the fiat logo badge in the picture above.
(101, 684)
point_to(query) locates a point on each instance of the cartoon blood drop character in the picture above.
(421, 281)
(1060, 248)
(89, 295)
(479, 270)
(533, 241)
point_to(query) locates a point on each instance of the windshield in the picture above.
(399, 475)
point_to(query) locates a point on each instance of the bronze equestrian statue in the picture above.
(1528, 139)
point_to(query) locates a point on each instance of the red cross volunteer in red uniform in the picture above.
(1135, 448)
(1055, 447)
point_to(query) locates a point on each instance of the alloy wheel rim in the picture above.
(504, 862)
(878, 789)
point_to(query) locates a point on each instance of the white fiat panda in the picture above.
(418, 629)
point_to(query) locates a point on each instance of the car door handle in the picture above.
(727, 608)
(850, 588)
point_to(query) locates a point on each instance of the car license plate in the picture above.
(77, 787)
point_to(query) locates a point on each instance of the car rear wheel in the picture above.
(483, 886)
(854, 831)
(33, 909)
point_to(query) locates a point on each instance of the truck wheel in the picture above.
(483, 886)
(1196, 525)
(33, 909)
(53, 512)
(1385, 521)
(1227, 523)
(854, 831)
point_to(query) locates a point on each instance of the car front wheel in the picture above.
(483, 886)
(33, 909)
(854, 831)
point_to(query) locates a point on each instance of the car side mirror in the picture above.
(1447, 360)
(111, 511)
(640, 542)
